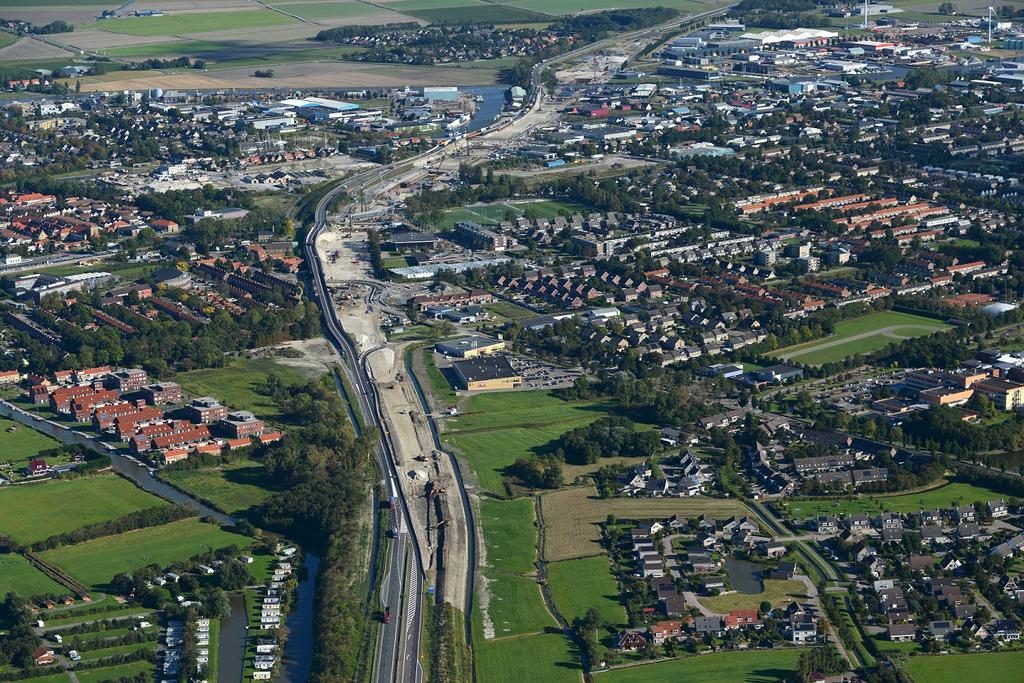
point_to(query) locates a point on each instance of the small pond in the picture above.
(744, 576)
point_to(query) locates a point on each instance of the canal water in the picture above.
(298, 651)
(231, 651)
(744, 576)
(493, 100)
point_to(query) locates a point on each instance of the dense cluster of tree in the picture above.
(19, 644)
(537, 472)
(57, 26)
(823, 659)
(325, 473)
(943, 429)
(598, 25)
(605, 438)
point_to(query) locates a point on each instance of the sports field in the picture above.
(763, 666)
(578, 585)
(778, 592)
(544, 658)
(953, 493)
(35, 512)
(97, 561)
(510, 536)
(238, 385)
(861, 336)
(18, 442)
(1005, 666)
(232, 488)
(496, 429)
(572, 517)
(194, 22)
(20, 577)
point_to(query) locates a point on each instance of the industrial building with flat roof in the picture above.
(470, 347)
(485, 373)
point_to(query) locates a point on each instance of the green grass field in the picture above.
(865, 334)
(516, 606)
(97, 561)
(36, 512)
(18, 576)
(194, 22)
(52, 678)
(779, 593)
(440, 387)
(315, 11)
(403, 5)
(507, 309)
(492, 14)
(114, 673)
(1007, 666)
(509, 534)
(544, 658)
(941, 497)
(237, 385)
(18, 442)
(766, 666)
(113, 651)
(578, 585)
(233, 488)
(496, 429)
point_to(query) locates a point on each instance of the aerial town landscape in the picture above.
(432, 341)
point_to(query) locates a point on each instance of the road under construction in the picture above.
(435, 538)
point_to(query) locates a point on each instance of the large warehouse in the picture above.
(470, 347)
(490, 372)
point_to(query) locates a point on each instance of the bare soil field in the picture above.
(302, 76)
(30, 48)
(571, 517)
(179, 5)
(71, 12)
(317, 356)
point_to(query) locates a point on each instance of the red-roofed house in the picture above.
(742, 617)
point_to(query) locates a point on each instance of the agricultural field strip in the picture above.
(97, 561)
(33, 513)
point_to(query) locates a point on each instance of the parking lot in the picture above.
(538, 374)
